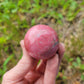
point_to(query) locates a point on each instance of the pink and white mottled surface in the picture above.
(41, 42)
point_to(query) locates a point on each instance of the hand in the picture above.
(28, 72)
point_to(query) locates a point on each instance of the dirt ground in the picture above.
(66, 31)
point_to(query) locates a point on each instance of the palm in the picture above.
(39, 74)
(27, 71)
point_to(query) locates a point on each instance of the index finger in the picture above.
(51, 70)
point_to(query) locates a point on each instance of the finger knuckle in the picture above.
(5, 76)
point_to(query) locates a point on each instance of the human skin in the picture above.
(27, 71)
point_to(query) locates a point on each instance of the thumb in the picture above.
(25, 52)
(23, 67)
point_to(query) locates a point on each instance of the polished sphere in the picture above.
(41, 42)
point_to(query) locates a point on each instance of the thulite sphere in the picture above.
(41, 42)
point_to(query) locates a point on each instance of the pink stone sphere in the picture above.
(41, 42)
